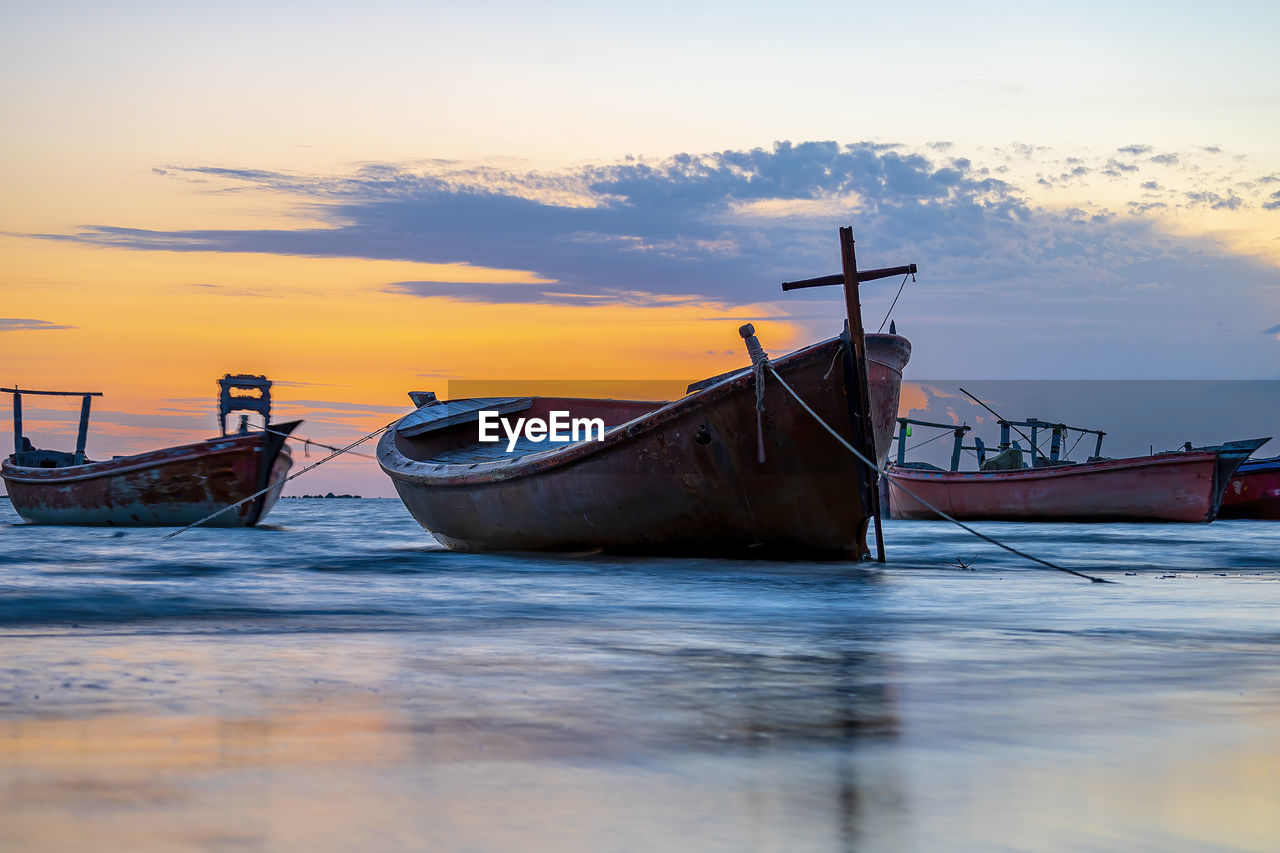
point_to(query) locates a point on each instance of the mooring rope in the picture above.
(283, 480)
(309, 441)
(942, 514)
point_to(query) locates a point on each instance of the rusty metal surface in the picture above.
(174, 486)
(682, 477)
(1254, 491)
(1165, 487)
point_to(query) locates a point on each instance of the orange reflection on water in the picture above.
(354, 771)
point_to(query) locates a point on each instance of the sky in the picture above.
(359, 200)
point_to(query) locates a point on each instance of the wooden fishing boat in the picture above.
(1182, 486)
(721, 471)
(679, 477)
(174, 486)
(1254, 490)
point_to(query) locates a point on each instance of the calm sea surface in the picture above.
(335, 681)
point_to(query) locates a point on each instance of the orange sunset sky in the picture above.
(362, 203)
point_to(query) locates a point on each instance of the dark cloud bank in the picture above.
(728, 227)
(23, 324)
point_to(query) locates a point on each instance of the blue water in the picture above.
(334, 679)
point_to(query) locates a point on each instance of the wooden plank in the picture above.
(17, 423)
(82, 435)
(838, 278)
(451, 413)
(476, 453)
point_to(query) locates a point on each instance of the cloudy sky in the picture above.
(363, 199)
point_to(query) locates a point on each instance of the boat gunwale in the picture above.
(1054, 471)
(131, 464)
(1259, 466)
(402, 468)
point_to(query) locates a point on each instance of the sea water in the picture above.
(335, 680)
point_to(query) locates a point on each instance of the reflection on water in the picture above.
(338, 682)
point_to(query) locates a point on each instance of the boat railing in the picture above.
(22, 447)
(1058, 430)
(959, 431)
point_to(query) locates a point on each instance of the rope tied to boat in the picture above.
(838, 437)
(307, 443)
(759, 361)
(337, 452)
(834, 359)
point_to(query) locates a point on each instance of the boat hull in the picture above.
(172, 487)
(1180, 487)
(1254, 491)
(685, 477)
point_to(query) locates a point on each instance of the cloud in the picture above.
(686, 225)
(725, 228)
(1274, 330)
(1115, 168)
(342, 406)
(1135, 149)
(17, 324)
(1274, 203)
(1215, 201)
(224, 290)
(56, 419)
(529, 294)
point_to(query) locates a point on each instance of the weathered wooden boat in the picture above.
(1253, 491)
(718, 472)
(1180, 486)
(174, 486)
(683, 476)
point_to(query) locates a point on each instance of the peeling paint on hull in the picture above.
(172, 487)
(680, 477)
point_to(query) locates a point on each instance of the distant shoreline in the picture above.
(319, 497)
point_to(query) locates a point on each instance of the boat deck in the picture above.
(495, 452)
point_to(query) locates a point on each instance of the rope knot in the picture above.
(759, 361)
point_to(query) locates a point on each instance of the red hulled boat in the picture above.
(1182, 486)
(175, 486)
(1253, 491)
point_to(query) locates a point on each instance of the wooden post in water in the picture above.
(861, 412)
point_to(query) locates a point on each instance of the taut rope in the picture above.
(942, 514)
(282, 480)
(306, 442)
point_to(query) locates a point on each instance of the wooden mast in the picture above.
(856, 370)
(860, 409)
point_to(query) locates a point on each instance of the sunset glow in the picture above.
(326, 202)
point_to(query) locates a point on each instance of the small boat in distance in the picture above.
(1182, 486)
(174, 486)
(1254, 490)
